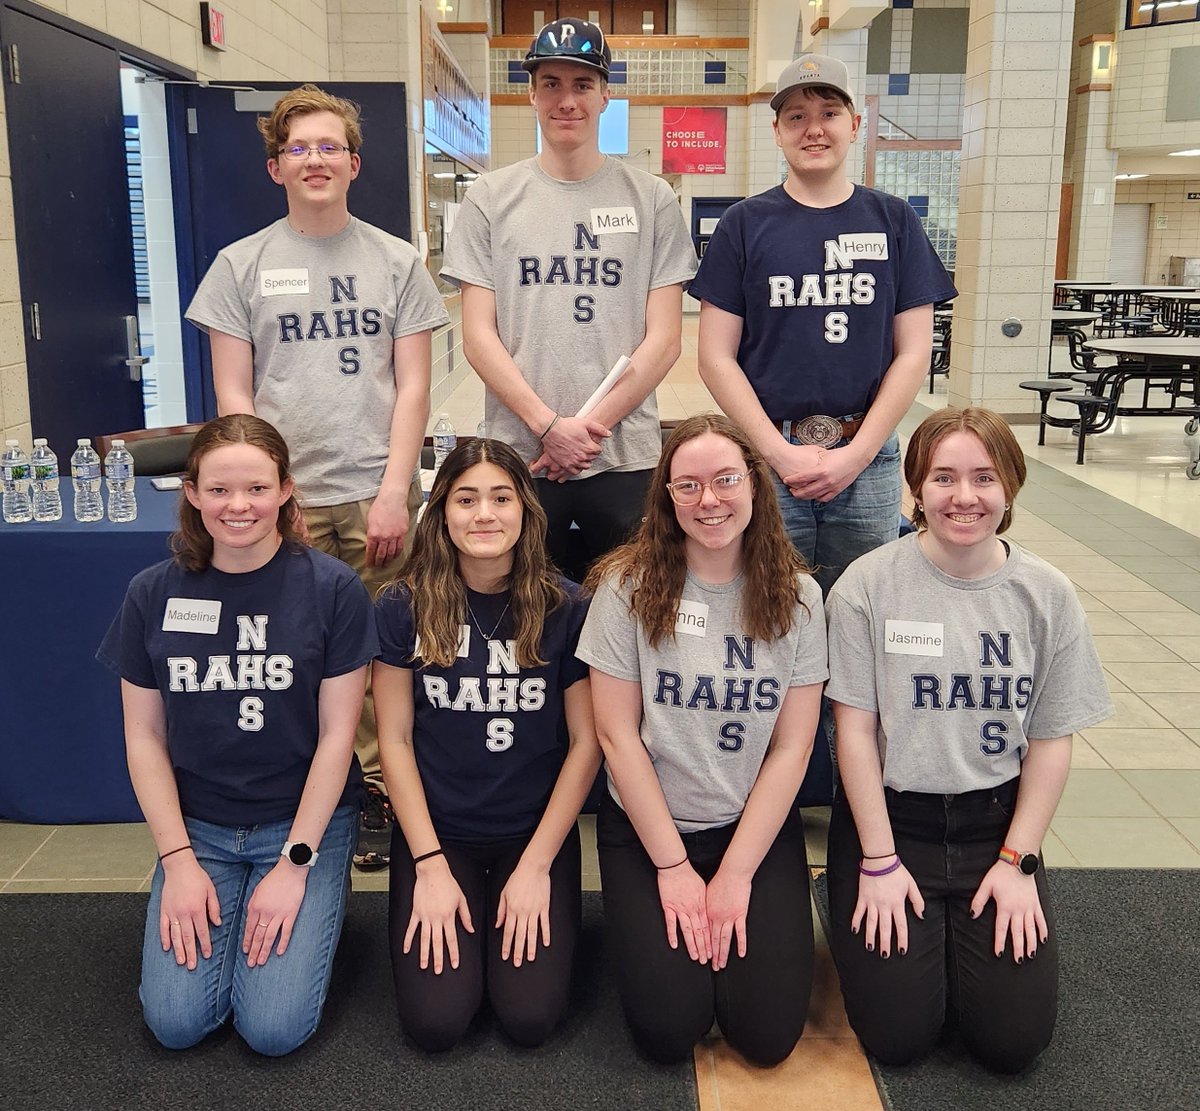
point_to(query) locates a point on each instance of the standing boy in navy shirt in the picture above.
(816, 325)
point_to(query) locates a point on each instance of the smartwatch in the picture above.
(300, 854)
(1026, 863)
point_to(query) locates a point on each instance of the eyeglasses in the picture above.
(725, 487)
(330, 152)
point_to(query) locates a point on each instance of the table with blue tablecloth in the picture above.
(62, 749)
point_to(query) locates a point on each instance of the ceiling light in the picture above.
(1128, 177)
(1184, 154)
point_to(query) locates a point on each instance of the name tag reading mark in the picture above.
(608, 220)
(914, 638)
(692, 619)
(191, 615)
(276, 283)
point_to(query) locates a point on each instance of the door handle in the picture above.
(133, 346)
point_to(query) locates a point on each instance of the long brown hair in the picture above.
(653, 562)
(997, 439)
(433, 579)
(191, 543)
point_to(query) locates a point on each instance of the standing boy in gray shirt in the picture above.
(568, 261)
(322, 325)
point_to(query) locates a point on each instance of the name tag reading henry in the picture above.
(914, 638)
(191, 615)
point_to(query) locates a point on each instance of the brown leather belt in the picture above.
(849, 427)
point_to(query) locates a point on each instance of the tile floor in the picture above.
(1125, 528)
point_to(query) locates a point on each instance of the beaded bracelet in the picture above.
(881, 871)
(428, 856)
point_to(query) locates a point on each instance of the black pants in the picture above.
(670, 1001)
(898, 1007)
(607, 508)
(435, 1010)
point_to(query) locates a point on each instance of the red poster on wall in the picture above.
(693, 140)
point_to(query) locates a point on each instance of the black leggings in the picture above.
(898, 1007)
(435, 1010)
(607, 508)
(670, 1001)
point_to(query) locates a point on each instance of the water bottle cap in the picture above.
(83, 441)
(40, 442)
(118, 443)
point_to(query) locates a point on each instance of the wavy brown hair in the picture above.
(997, 439)
(304, 101)
(653, 562)
(431, 572)
(191, 543)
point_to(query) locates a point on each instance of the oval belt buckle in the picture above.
(820, 431)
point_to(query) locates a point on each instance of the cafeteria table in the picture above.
(1123, 294)
(62, 750)
(1178, 313)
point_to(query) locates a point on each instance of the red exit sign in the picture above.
(212, 26)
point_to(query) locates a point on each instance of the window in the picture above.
(1157, 13)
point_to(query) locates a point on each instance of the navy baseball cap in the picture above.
(570, 40)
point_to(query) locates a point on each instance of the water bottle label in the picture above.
(86, 472)
(43, 472)
(120, 472)
(15, 472)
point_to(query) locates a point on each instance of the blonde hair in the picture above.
(304, 101)
(653, 562)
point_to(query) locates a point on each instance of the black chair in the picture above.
(155, 451)
(1046, 389)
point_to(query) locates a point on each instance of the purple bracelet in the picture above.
(881, 871)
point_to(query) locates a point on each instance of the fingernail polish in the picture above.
(870, 948)
(1020, 960)
(885, 955)
(903, 951)
(1032, 953)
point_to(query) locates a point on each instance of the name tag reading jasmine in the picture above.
(191, 615)
(607, 220)
(276, 283)
(692, 618)
(914, 638)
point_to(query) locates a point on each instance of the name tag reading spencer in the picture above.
(191, 615)
(914, 638)
(692, 619)
(276, 283)
(608, 220)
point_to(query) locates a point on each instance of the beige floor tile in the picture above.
(1133, 713)
(1186, 648)
(1105, 582)
(1055, 853)
(1084, 755)
(1115, 686)
(1158, 676)
(1143, 748)
(821, 1073)
(1093, 793)
(1052, 549)
(1142, 601)
(590, 881)
(50, 887)
(1174, 794)
(1126, 843)
(18, 842)
(826, 1012)
(1190, 828)
(1115, 649)
(368, 881)
(1092, 604)
(1107, 623)
(93, 852)
(1168, 624)
(1181, 710)
(1086, 560)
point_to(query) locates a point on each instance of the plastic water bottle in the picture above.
(47, 501)
(85, 477)
(445, 440)
(14, 469)
(481, 430)
(118, 472)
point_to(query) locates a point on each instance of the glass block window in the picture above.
(928, 180)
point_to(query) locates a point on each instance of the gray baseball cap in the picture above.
(811, 70)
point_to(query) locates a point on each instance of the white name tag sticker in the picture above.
(276, 283)
(914, 638)
(692, 619)
(870, 244)
(605, 221)
(464, 641)
(191, 615)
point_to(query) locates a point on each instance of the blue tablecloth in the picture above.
(62, 749)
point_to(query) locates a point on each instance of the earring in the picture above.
(918, 507)
(1007, 508)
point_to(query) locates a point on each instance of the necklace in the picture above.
(475, 620)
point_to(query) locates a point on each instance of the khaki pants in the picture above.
(341, 531)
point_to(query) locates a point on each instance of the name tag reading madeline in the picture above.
(606, 220)
(276, 283)
(191, 615)
(692, 619)
(914, 638)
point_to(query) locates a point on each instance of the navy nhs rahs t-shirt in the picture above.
(239, 660)
(489, 738)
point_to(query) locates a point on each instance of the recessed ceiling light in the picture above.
(1184, 154)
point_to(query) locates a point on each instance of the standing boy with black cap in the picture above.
(568, 261)
(816, 324)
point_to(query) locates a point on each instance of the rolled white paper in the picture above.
(610, 380)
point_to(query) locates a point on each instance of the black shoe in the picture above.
(374, 848)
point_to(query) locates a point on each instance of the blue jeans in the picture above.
(832, 535)
(277, 1006)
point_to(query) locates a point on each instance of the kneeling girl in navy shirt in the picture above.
(242, 663)
(488, 750)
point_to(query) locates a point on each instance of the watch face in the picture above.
(1029, 863)
(300, 853)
